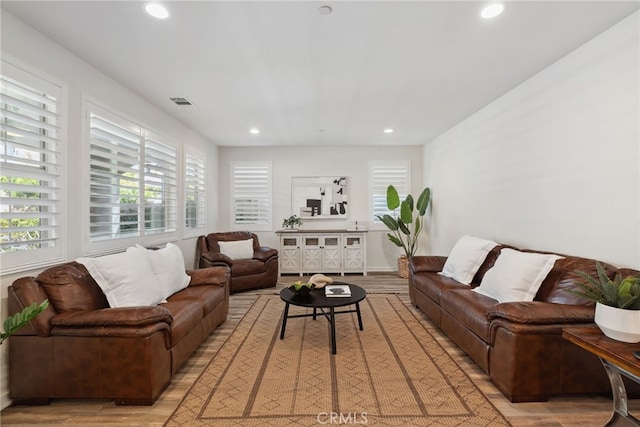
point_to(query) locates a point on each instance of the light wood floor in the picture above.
(574, 411)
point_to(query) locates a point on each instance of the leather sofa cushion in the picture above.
(187, 315)
(247, 267)
(469, 309)
(70, 287)
(208, 296)
(433, 284)
(563, 276)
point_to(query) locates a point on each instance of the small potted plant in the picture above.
(291, 222)
(617, 303)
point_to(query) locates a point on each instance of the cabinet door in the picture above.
(289, 254)
(353, 252)
(311, 254)
(331, 253)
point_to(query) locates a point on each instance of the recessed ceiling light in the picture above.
(388, 130)
(254, 131)
(325, 10)
(492, 10)
(157, 10)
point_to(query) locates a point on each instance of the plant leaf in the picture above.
(404, 228)
(395, 240)
(423, 201)
(389, 221)
(406, 210)
(393, 200)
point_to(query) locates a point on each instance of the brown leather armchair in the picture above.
(259, 271)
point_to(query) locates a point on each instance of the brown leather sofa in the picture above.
(259, 271)
(518, 344)
(81, 348)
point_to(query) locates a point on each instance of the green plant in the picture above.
(619, 292)
(291, 221)
(13, 323)
(406, 227)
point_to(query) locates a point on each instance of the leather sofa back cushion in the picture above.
(563, 276)
(70, 287)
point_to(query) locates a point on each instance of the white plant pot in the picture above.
(618, 324)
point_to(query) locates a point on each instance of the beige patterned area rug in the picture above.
(392, 373)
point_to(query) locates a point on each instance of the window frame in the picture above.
(24, 75)
(396, 165)
(143, 134)
(267, 225)
(201, 203)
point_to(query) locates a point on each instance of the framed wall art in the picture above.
(320, 197)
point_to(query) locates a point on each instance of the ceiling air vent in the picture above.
(183, 102)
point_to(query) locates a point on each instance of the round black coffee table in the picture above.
(317, 300)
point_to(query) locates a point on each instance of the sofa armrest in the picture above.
(263, 253)
(124, 316)
(541, 313)
(218, 276)
(212, 259)
(427, 264)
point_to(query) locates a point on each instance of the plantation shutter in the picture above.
(194, 191)
(115, 158)
(160, 186)
(251, 188)
(382, 174)
(30, 169)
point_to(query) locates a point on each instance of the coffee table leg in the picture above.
(332, 320)
(284, 320)
(314, 313)
(620, 415)
(359, 316)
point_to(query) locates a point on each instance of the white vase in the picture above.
(618, 324)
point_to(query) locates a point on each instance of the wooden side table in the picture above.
(617, 359)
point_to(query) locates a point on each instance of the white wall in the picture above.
(24, 46)
(552, 165)
(352, 162)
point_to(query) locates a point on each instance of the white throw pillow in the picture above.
(126, 279)
(168, 266)
(466, 257)
(516, 276)
(237, 249)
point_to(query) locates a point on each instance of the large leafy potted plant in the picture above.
(617, 303)
(405, 226)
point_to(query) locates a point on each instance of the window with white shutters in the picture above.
(251, 196)
(194, 193)
(381, 175)
(160, 186)
(30, 151)
(133, 183)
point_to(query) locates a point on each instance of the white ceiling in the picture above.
(304, 78)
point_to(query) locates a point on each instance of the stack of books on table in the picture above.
(337, 291)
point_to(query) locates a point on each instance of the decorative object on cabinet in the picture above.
(291, 222)
(323, 251)
(320, 197)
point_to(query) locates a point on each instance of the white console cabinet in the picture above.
(323, 251)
